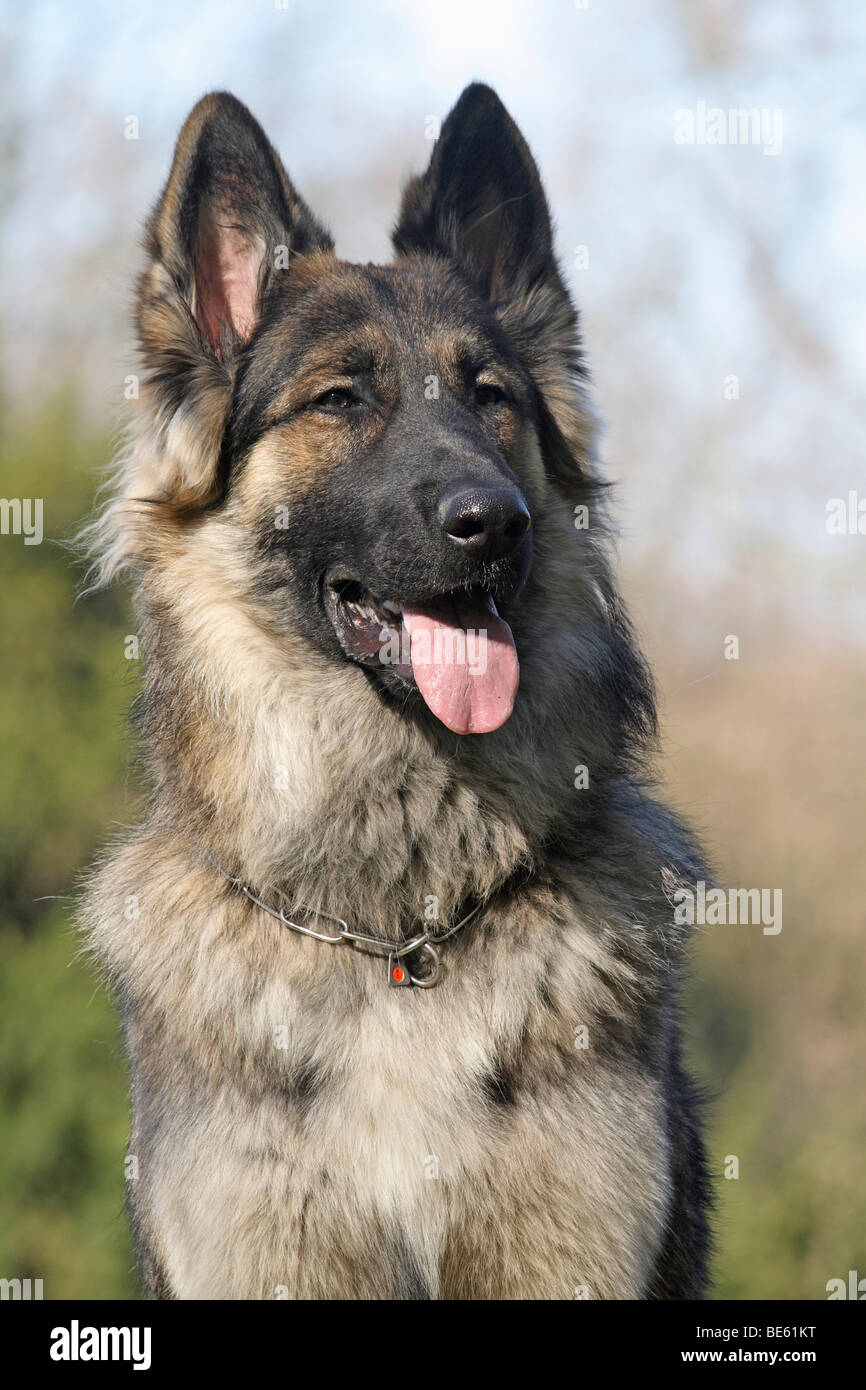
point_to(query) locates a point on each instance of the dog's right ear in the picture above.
(227, 223)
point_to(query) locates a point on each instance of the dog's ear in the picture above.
(481, 204)
(227, 223)
(480, 200)
(226, 211)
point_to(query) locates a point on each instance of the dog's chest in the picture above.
(395, 1134)
(399, 1092)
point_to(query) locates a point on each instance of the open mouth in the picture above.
(454, 647)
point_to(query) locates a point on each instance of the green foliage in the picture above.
(63, 696)
(766, 751)
(64, 1119)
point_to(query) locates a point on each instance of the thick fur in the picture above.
(300, 1129)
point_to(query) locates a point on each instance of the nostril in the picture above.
(517, 526)
(464, 527)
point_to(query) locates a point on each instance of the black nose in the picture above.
(488, 522)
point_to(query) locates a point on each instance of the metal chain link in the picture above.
(426, 941)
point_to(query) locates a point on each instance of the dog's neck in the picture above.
(298, 776)
(300, 779)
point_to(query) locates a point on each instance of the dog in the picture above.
(394, 947)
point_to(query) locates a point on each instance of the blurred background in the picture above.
(722, 294)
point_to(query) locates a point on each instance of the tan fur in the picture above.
(301, 1129)
(372, 822)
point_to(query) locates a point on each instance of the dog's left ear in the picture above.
(480, 201)
(480, 204)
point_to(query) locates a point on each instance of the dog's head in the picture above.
(387, 445)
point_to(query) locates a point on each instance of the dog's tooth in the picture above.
(391, 607)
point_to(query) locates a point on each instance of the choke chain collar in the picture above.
(400, 974)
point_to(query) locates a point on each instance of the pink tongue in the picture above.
(464, 662)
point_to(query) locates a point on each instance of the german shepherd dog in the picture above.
(395, 946)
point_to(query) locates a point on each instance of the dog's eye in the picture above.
(340, 398)
(488, 394)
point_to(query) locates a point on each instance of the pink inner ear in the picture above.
(227, 266)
